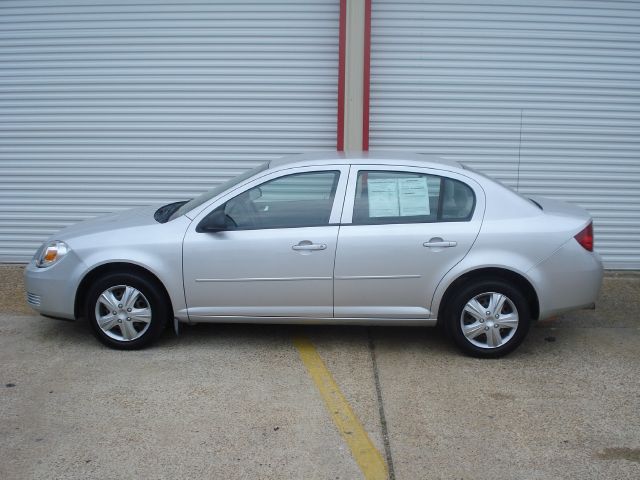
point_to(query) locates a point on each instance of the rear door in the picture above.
(402, 229)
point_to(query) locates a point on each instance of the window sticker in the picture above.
(392, 197)
(383, 197)
(414, 196)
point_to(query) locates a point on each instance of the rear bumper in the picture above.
(568, 280)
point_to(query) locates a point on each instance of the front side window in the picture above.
(409, 197)
(298, 200)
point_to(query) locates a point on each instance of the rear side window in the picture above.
(457, 200)
(409, 197)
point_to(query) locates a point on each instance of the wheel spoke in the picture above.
(494, 339)
(142, 315)
(129, 297)
(128, 331)
(496, 303)
(510, 320)
(474, 309)
(108, 321)
(473, 330)
(109, 300)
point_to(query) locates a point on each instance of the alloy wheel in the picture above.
(489, 320)
(123, 313)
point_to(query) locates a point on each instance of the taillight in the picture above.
(585, 237)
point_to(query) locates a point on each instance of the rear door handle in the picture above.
(307, 245)
(439, 243)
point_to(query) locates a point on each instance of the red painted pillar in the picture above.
(354, 67)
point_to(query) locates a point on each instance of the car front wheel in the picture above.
(488, 318)
(126, 311)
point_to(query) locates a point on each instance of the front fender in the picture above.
(155, 249)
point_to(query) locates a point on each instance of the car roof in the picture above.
(383, 157)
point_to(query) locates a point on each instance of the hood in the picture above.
(128, 218)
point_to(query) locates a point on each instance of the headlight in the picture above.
(51, 253)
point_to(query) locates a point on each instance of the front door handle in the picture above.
(307, 245)
(439, 243)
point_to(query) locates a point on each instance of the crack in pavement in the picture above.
(383, 419)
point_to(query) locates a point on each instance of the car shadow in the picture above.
(384, 339)
(381, 337)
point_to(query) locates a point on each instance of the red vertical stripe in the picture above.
(366, 75)
(342, 51)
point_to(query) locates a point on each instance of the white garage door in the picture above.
(109, 105)
(544, 96)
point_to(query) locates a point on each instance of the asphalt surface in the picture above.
(225, 401)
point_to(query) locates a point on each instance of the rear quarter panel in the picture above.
(516, 236)
(570, 278)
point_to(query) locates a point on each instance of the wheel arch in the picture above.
(114, 267)
(499, 273)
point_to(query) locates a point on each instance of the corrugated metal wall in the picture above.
(549, 88)
(108, 105)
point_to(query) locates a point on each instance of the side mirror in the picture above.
(216, 221)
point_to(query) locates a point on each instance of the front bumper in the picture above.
(51, 291)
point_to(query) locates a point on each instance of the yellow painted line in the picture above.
(364, 452)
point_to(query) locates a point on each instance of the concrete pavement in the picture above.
(225, 401)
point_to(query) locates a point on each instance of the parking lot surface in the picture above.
(239, 401)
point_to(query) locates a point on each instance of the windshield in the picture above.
(206, 196)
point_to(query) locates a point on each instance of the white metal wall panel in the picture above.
(544, 96)
(106, 105)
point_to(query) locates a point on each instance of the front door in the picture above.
(276, 257)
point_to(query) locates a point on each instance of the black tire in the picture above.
(487, 343)
(151, 304)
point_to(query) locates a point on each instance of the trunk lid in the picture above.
(562, 209)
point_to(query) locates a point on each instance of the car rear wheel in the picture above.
(488, 318)
(126, 311)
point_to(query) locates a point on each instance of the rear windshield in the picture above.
(467, 167)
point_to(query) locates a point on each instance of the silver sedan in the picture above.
(375, 239)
